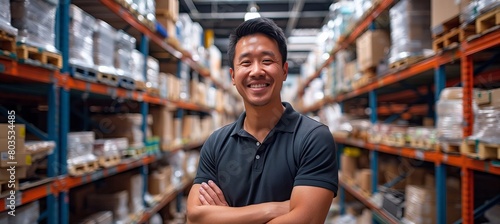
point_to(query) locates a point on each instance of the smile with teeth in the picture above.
(258, 85)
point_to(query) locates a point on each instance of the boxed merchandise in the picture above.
(364, 180)
(163, 127)
(81, 30)
(153, 69)
(137, 66)
(104, 47)
(80, 148)
(158, 183)
(168, 8)
(348, 166)
(163, 85)
(122, 125)
(5, 18)
(19, 129)
(117, 203)
(440, 16)
(125, 44)
(371, 48)
(35, 21)
(410, 33)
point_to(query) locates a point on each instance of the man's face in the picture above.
(258, 71)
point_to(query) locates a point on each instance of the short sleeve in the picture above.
(318, 163)
(207, 164)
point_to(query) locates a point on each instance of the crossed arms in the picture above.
(307, 204)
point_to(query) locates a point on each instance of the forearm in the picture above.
(258, 213)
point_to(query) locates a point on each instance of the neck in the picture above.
(260, 120)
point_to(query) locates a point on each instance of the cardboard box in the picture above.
(163, 125)
(371, 47)
(117, 203)
(18, 143)
(365, 180)
(169, 25)
(157, 183)
(20, 159)
(20, 173)
(19, 129)
(487, 97)
(130, 183)
(168, 8)
(348, 166)
(444, 10)
(350, 70)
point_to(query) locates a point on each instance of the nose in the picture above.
(256, 70)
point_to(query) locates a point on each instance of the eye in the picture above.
(245, 62)
(267, 61)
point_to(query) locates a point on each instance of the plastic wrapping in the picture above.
(125, 44)
(35, 21)
(81, 29)
(137, 66)
(110, 147)
(176, 161)
(26, 214)
(153, 69)
(80, 147)
(163, 85)
(487, 125)
(361, 6)
(475, 8)
(450, 117)
(5, 18)
(410, 33)
(104, 47)
(342, 13)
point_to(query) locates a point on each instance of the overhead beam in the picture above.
(271, 15)
(294, 16)
(191, 6)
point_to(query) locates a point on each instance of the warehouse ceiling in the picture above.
(301, 21)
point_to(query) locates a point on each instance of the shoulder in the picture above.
(220, 135)
(308, 126)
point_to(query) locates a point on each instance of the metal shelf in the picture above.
(388, 218)
(33, 192)
(14, 70)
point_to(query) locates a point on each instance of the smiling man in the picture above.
(273, 165)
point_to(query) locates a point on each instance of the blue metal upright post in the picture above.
(440, 169)
(372, 100)
(52, 127)
(144, 48)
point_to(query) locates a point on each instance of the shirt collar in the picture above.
(286, 123)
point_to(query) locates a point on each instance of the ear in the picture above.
(231, 71)
(285, 71)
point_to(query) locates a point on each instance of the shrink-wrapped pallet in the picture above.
(104, 47)
(410, 33)
(153, 69)
(81, 29)
(125, 44)
(487, 125)
(35, 21)
(5, 18)
(137, 66)
(80, 148)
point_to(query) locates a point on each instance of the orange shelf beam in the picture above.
(481, 165)
(27, 72)
(71, 182)
(30, 195)
(482, 43)
(357, 194)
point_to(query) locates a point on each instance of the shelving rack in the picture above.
(432, 68)
(55, 188)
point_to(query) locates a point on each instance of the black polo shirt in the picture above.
(298, 151)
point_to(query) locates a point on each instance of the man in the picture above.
(272, 165)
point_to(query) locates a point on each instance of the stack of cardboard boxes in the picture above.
(14, 158)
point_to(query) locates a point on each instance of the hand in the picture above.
(211, 194)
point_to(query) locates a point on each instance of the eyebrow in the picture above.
(268, 53)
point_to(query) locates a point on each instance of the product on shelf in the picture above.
(125, 44)
(81, 42)
(163, 85)
(184, 83)
(168, 7)
(410, 29)
(80, 149)
(371, 49)
(163, 125)
(121, 125)
(475, 8)
(422, 137)
(440, 16)
(104, 47)
(6, 140)
(159, 181)
(137, 69)
(342, 13)
(38, 151)
(102, 217)
(487, 125)
(35, 21)
(152, 72)
(117, 203)
(5, 18)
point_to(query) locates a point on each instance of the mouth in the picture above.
(261, 85)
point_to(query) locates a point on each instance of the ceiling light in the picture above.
(252, 11)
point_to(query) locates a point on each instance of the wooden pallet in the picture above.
(365, 79)
(4, 186)
(83, 168)
(137, 152)
(25, 52)
(393, 141)
(480, 150)
(403, 63)
(108, 79)
(109, 161)
(153, 91)
(488, 21)
(451, 148)
(140, 85)
(7, 44)
(449, 40)
(424, 144)
(447, 26)
(83, 73)
(126, 82)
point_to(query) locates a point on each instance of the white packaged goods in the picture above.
(35, 21)
(163, 85)
(81, 29)
(5, 18)
(123, 125)
(137, 66)
(80, 148)
(487, 125)
(342, 14)
(125, 44)
(410, 29)
(110, 147)
(104, 47)
(153, 69)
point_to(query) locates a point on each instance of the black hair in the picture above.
(258, 25)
